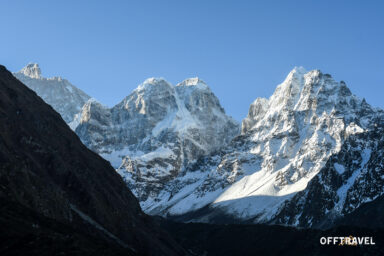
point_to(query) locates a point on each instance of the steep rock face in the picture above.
(286, 140)
(64, 97)
(45, 168)
(156, 131)
(352, 177)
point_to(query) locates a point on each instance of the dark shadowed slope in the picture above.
(260, 239)
(47, 171)
(370, 215)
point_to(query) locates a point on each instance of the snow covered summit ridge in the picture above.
(152, 81)
(194, 82)
(156, 131)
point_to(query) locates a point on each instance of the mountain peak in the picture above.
(153, 81)
(310, 91)
(301, 88)
(32, 70)
(299, 70)
(194, 81)
(64, 97)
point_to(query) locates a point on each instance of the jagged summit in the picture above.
(303, 91)
(64, 97)
(153, 81)
(299, 70)
(189, 82)
(32, 70)
(195, 81)
(156, 131)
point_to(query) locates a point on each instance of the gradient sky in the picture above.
(242, 49)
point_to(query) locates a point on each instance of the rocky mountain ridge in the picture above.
(306, 156)
(156, 131)
(287, 142)
(64, 97)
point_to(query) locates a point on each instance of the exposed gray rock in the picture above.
(156, 131)
(56, 91)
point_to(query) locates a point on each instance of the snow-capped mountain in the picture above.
(64, 97)
(308, 155)
(157, 130)
(287, 141)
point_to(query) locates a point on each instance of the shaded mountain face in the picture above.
(261, 239)
(312, 130)
(64, 97)
(46, 170)
(156, 131)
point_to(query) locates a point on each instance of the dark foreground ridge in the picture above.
(58, 197)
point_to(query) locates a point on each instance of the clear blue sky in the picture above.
(242, 49)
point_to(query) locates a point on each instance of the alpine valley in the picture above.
(312, 155)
